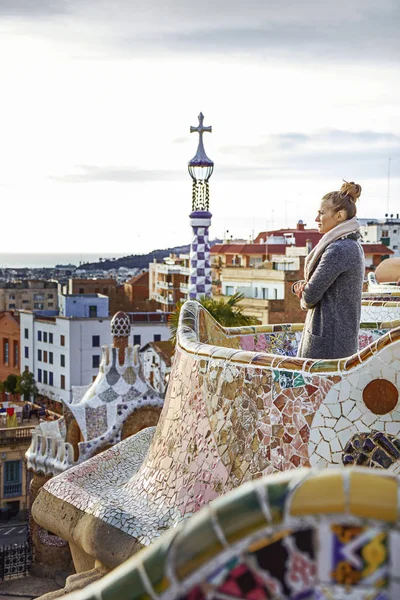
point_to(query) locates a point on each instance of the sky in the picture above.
(98, 97)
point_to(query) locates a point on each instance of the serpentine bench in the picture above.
(305, 534)
(233, 412)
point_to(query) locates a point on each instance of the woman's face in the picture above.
(327, 219)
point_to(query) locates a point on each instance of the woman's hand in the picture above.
(298, 288)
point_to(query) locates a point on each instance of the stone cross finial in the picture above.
(200, 129)
(201, 157)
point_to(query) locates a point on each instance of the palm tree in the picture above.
(225, 312)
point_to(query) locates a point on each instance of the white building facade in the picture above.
(83, 305)
(62, 352)
(148, 327)
(386, 231)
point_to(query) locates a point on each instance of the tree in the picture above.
(26, 385)
(226, 312)
(10, 384)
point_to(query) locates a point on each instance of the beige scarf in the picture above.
(342, 230)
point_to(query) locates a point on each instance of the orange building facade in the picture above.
(9, 345)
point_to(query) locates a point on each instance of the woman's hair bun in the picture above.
(350, 189)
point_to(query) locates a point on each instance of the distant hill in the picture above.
(139, 261)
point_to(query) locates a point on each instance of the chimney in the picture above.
(120, 330)
(300, 225)
(308, 246)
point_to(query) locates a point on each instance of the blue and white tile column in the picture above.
(200, 265)
(200, 170)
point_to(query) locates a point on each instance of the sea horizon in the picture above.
(37, 260)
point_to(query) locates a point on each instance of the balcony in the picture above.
(164, 300)
(184, 288)
(11, 490)
(14, 435)
(171, 269)
(164, 285)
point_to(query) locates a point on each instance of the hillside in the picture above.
(139, 261)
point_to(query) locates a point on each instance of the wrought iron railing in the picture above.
(15, 560)
(11, 490)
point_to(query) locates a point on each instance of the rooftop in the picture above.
(164, 349)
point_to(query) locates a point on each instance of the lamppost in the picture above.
(200, 169)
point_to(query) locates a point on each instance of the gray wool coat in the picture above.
(332, 298)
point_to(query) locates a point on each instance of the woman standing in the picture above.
(333, 279)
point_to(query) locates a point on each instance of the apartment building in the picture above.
(169, 281)
(64, 351)
(9, 344)
(14, 442)
(28, 295)
(156, 360)
(106, 287)
(385, 231)
(267, 290)
(149, 327)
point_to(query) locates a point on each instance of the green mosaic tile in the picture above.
(195, 545)
(124, 583)
(245, 503)
(154, 562)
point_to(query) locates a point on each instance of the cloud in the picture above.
(95, 174)
(347, 30)
(362, 153)
(339, 153)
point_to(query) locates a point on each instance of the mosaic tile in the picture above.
(232, 413)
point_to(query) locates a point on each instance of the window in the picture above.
(50, 295)
(62, 382)
(10, 306)
(95, 361)
(39, 354)
(229, 290)
(12, 471)
(45, 356)
(62, 360)
(97, 290)
(45, 377)
(62, 340)
(45, 336)
(50, 338)
(136, 340)
(95, 341)
(5, 351)
(25, 301)
(26, 334)
(49, 304)
(16, 354)
(265, 293)
(26, 351)
(38, 305)
(39, 375)
(81, 291)
(39, 335)
(157, 337)
(51, 378)
(92, 311)
(12, 296)
(51, 358)
(105, 291)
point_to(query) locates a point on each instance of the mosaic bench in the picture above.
(301, 535)
(233, 412)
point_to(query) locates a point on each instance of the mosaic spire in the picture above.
(200, 169)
